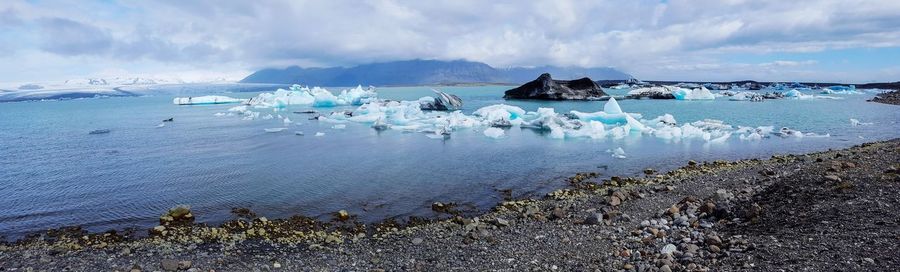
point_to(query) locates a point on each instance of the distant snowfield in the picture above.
(87, 88)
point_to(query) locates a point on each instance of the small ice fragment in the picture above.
(287, 121)
(855, 122)
(618, 153)
(339, 126)
(298, 133)
(721, 139)
(161, 125)
(493, 132)
(268, 116)
(272, 130)
(220, 114)
(318, 134)
(204, 100)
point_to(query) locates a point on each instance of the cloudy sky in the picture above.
(821, 40)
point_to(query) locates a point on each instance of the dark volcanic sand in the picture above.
(835, 210)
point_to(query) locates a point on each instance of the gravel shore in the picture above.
(827, 211)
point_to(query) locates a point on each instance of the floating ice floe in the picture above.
(796, 94)
(319, 134)
(746, 96)
(161, 125)
(273, 130)
(855, 122)
(693, 94)
(206, 100)
(618, 153)
(317, 97)
(493, 132)
(612, 122)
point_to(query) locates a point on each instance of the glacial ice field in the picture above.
(373, 152)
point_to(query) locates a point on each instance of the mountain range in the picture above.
(423, 72)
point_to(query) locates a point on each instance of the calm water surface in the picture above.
(53, 173)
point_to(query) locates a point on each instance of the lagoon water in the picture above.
(54, 173)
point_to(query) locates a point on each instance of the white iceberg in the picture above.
(618, 153)
(493, 132)
(693, 94)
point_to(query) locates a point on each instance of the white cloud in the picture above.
(649, 38)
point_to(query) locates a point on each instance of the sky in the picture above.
(704, 40)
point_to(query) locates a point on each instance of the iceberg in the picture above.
(272, 130)
(358, 96)
(442, 102)
(612, 106)
(747, 96)
(664, 92)
(612, 122)
(206, 100)
(501, 114)
(693, 94)
(493, 132)
(611, 114)
(316, 96)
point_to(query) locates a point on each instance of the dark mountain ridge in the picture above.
(422, 72)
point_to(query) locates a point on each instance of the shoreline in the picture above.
(704, 216)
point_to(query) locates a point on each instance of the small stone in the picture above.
(708, 208)
(649, 171)
(665, 268)
(593, 219)
(185, 265)
(276, 265)
(557, 213)
(343, 215)
(668, 249)
(628, 266)
(500, 222)
(417, 241)
(169, 265)
(832, 178)
(713, 240)
(714, 249)
(723, 195)
(135, 268)
(691, 248)
(869, 260)
(673, 210)
(614, 201)
(670, 188)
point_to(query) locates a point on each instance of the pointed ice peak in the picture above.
(612, 107)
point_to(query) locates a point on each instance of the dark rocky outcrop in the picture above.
(546, 88)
